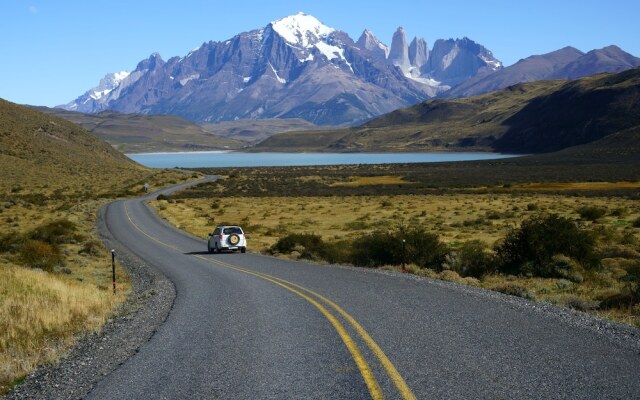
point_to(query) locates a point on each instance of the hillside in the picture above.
(579, 112)
(137, 133)
(524, 118)
(43, 153)
(255, 130)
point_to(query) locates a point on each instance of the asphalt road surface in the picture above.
(246, 326)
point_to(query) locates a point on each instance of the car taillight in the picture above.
(220, 237)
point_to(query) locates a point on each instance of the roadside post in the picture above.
(113, 269)
(404, 242)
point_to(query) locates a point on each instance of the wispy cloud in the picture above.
(33, 9)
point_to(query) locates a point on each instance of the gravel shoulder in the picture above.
(97, 354)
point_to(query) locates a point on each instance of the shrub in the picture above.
(38, 254)
(531, 248)
(632, 282)
(532, 207)
(92, 248)
(386, 248)
(591, 213)
(515, 290)
(11, 242)
(162, 197)
(376, 249)
(474, 259)
(636, 223)
(56, 232)
(312, 247)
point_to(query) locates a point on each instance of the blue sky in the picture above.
(53, 51)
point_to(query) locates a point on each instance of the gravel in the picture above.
(97, 354)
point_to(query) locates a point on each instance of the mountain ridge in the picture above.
(565, 63)
(295, 67)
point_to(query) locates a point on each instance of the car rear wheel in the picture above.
(243, 249)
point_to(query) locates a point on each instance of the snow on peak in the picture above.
(107, 84)
(119, 76)
(301, 29)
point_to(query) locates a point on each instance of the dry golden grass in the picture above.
(372, 180)
(41, 313)
(455, 218)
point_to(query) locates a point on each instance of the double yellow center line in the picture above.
(315, 299)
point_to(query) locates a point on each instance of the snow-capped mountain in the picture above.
(90, 100)
(295, 67)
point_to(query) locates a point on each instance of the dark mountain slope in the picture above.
(580, 112)
(525, 118)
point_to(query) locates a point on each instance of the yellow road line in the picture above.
(363, 366)
(392, 372)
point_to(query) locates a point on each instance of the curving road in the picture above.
(245, 326)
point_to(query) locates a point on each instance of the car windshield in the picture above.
(232, 229)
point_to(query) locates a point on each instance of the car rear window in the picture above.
(216, 231)
(232, 229)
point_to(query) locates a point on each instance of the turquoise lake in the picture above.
(203, 159)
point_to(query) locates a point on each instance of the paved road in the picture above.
(245, 326)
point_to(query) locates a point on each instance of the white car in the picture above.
(227, 238)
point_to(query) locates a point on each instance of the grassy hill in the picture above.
(524, 118)
(136, 133)
(256, 130)
(44, 153)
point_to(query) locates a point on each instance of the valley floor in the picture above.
(369, 204)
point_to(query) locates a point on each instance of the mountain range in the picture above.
(566, 63)
(299, 68)
(295, 67)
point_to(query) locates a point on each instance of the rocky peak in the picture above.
(399, 54)
(370, 42)
(418, 52)
(301, 30)
(153, 62)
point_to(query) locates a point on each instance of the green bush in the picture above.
(56, 232)
(290, 242)
(591, 213)
(632, 282)
(39, 254)
(11, 242)
(474, 259)
(421, 248)
(636, 223)
(376, 249)
(312, 247)
(530, 249)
